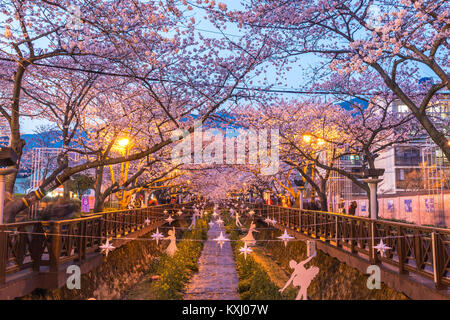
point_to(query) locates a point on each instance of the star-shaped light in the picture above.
(170, 220)
(381, 248)
(157, 236)
(211, 224)
(245, 250)
(285, 237)
(221, 240)
(251, 213)
(215, 214)
(219, 221)
(107, 247)
(180, 212)
(147, 221)
(165, 211)
(268, 221)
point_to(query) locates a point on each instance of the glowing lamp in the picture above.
(307, 138)
(124, 142)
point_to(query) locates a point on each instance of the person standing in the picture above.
(352, 208)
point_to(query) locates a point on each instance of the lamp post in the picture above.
(371, 178)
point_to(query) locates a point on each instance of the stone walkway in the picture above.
(217, 278)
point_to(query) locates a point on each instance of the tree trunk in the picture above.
(99, 199)
(16, 143)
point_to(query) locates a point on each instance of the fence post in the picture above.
(352, 236)
(401, 251)
(436, 261)
(300, 220)
(55, 248)
(372, 254)
(336, 230)
(3, 254)
(315, 224)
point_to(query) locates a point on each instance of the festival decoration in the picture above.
(172, 248)
(170, 220)
(157, 236)
(106, 248)
(301, 277)
(245, 250)
(382, 248)
(249, 239)
(221, 240)
(285, 237)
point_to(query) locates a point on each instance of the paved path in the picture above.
(217, 278)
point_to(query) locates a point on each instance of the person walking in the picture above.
(352, 208)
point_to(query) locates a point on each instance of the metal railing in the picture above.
(421, 250)
(37, 244)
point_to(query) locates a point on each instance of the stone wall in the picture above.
(335, 281)
(121, 270)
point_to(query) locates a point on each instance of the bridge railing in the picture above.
(421, 250)
(44, 245)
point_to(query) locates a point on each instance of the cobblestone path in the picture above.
(217, 278)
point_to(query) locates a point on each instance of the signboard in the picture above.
(390, 205)
(311, 248)
(363, 206)
(429, 204)
(85, 203)
(408, 205)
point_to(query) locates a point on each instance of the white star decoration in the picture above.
(215, 214)
(285, 237)
(211, 224)
(147, 221)
(219, 221)
(180, 212)
(170, 220)
(157, 236)
(221, 240)
(381, 248)
(270, 221)
(251, 213)
(245, 250)
(107, 247)
(165, 211)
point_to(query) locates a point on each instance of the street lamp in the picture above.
(123, 142)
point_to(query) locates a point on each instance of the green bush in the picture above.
(175, 271)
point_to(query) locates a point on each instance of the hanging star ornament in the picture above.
(107, 247)
(147, 221)
(285, 237)
(215, 214)
(211, 224)
(245, 250)
(268, 221)
(273, 221)
(221, 240)
(157, 236)
(219, 221)
(170, 220)
(381, 248)
(251, 213)
(165, 211)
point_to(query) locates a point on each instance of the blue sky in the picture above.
(295, 78)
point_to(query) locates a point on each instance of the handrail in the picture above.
(418, 249)
(34, 244)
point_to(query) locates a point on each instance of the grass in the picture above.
(174, 272)
(255, 282)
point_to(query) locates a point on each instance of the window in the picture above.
(407, 156)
